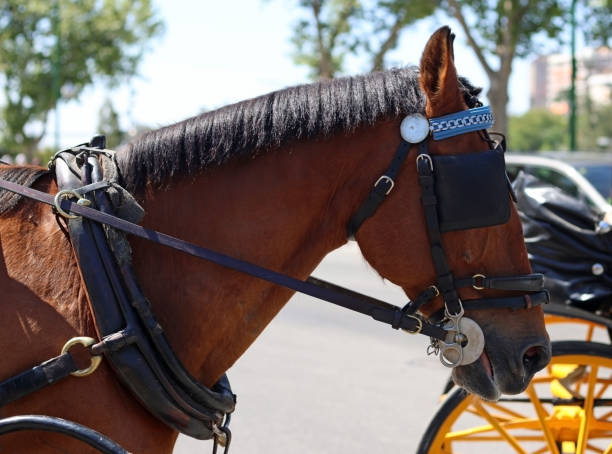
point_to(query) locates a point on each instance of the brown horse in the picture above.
(274, 181)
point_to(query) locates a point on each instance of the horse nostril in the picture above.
(535, 358)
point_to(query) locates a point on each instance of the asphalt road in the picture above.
(322, 379)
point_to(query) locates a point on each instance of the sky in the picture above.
(218, 52)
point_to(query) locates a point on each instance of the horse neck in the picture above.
(284, 210)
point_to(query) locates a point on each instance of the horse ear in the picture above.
(438, 76)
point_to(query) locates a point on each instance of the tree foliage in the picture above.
(595, 128)
(109, 126)
(537, 130)
(332, 29)
(541, 130)
(322, 38)
(596, 21)
(498, 31)
(49, 48)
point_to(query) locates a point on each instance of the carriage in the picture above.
(249, 199)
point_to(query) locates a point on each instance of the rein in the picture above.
(398, 318)
(201, 412)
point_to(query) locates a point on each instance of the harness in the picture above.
(458, 192)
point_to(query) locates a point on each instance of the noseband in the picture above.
(458, 192)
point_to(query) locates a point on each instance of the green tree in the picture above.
(108, 125)
(47, 48)
(331, 29)
(536, 130)
(322, 39)
(595, 128)
(500, 30)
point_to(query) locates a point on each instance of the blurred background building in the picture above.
(551, 78)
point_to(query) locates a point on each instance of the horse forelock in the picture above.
(251, 127)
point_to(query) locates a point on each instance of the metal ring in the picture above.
(451, 347)
(65, 194)
(386, 178)
(85, 342)
(435, 289)
(478, 276)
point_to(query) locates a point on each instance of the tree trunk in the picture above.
(498, 99)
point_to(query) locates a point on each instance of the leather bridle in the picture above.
(451, 349)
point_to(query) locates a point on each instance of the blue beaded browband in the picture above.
(461, 122)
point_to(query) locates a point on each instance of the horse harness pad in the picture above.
(132, 340)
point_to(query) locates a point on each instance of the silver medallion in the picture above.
(414, 128)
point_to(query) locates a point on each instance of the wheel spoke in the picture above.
(605, 384)
(594, 449)
(542, 418)
(589, 335)
(495, 423)
(587, 415)
(505, 410)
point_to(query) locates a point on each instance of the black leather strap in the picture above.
(509, 302)
(526, 283)
(385, 314)
(444, 278)
(36, 378)
(382, 187)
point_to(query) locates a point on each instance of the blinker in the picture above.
(471, 190)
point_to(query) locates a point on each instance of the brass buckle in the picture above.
(435, 289)
(475, 284)
(419, 327)
(66, 194)
(386, 178)
(85, 342)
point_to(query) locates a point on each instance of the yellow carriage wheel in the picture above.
(588, 329)
(567, 409)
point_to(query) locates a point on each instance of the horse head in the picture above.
(396, 242)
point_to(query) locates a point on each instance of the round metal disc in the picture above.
(414, 128)
(475, 341)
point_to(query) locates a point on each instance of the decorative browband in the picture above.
(461, 122)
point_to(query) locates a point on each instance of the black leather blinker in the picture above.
(471, 190)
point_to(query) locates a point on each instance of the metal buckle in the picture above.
(85, 342)
(475, 284)
(386, 178)
(427, 158)
(419, 326)
(435, 289)
(223, 435)
(66, 194)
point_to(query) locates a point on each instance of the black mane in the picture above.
(267, 122)
(22, 175)
(270, 121)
